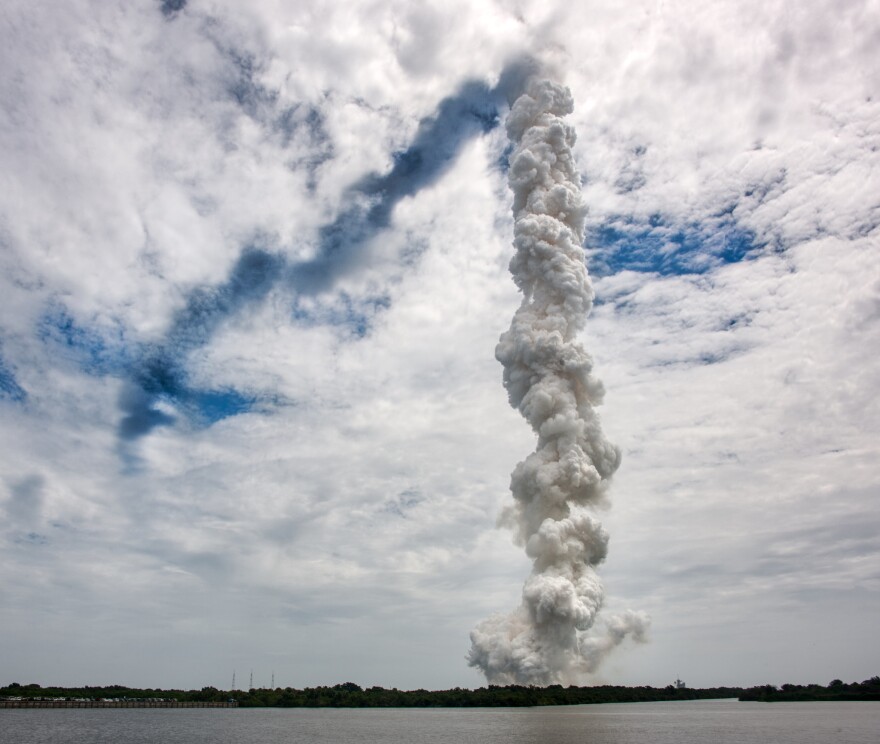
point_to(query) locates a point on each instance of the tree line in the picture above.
(869, 689)
(351, 695)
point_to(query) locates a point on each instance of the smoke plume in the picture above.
(548, 376)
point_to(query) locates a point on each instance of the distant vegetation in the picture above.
(350, 695)
(836, 690)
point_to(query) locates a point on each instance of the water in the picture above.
(697, 722)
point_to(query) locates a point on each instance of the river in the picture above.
(686, 722)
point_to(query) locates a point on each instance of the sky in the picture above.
(254, 269)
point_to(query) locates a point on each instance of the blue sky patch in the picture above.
(665, 248)
(162, 378)
(345, 312)
(473, 110)
(144, 411)
(9, 387)
(207, 407)
(157, 373)
(86, 347)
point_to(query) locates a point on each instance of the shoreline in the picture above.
(114, 704)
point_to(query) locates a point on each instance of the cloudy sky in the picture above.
(254, 268)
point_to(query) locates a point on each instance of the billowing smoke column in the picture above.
(548, 376)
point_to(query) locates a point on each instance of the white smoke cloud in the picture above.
(548, 376)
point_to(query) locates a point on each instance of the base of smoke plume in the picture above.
(508, 650)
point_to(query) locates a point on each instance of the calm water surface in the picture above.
(707, 721)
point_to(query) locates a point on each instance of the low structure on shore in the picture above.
(81, 703)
